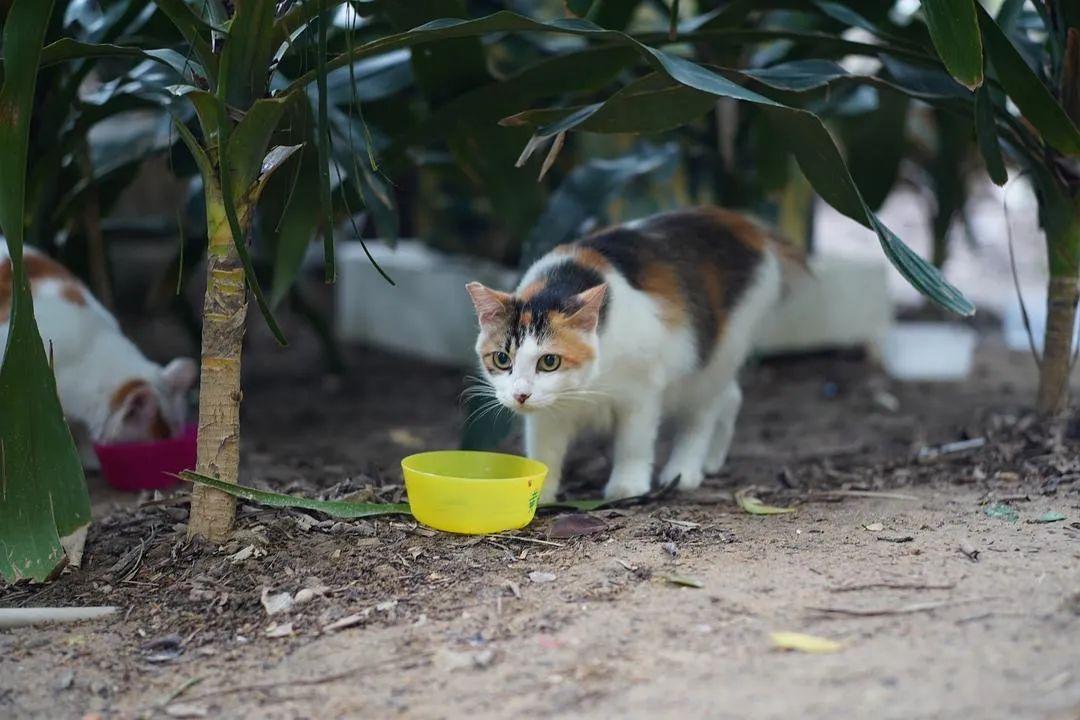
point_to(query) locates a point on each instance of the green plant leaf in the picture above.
(987, 134)
(346, 509)
(286, 207)
(1026, 89)
(752, 505)
(68, 49)
(244, 73)
(333, 508)
(43, 497)
(954, 30)
(249, 140)
(811, 143)
(322, 144)
(195, 31)
(875, 165)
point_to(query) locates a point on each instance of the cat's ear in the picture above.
(491, 305)
(136, 412)
(590, 302)
(179, 375)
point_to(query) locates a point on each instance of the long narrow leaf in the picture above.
(244, 72)
(333, 508)
(1026, 89)
(814, 148)
(986, 132)
(43, 498)
(194, 30)
(954, 29)
(322, 143)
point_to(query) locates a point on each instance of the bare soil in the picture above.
(665, 611)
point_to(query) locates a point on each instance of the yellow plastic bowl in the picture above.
(474, 493)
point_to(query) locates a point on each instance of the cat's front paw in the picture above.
(549, 493)
(689, 478)
(628, 482)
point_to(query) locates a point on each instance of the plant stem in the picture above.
(1053, 394)
(1061, 215)
(224, 312)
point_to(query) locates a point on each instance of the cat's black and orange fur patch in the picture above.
(696, 263)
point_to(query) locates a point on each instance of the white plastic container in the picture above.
(428, 314)
(844, 303)
(929, 351)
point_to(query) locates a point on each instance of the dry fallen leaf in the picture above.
(874, 527)
(804, 643)
(279, 631)
(540, 576)
(406, 438)
(346, 622)
(575, 524)
(685, 581)
(275, 603)
(752, 505)
(186, 711)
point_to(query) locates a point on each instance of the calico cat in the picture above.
(628, 326)
(109, 391)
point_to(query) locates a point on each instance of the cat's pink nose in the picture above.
(522, 397)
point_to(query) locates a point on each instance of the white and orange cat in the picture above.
(109, 390)
(629, 326)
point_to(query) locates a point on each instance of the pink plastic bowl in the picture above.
(137, 466)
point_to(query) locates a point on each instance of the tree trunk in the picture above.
(1063, 250)
(1053, 396)
(224, 311)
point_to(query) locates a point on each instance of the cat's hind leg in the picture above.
(730, 403)
(704, 427)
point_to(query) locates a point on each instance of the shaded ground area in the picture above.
(438, 626)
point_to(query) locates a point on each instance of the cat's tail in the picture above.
(794, 268)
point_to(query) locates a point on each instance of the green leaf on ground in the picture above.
(1001, 511)
(752, 505)
(685, 581)
(1050, 516)
(334, 508)
(346, 509)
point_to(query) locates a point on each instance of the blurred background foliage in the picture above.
(424, 138)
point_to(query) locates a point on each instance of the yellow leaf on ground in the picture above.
(406, 438)
(804, 643)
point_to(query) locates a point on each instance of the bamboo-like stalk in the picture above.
(224, 313)
(1063, 293)
(1063, 248)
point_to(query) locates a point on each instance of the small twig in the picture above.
(952, 448)
(890, 586)
(522, 538)
(867, 494)
(903, 610)
(183, 688)
(307, 682)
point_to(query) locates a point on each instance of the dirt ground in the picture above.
(603, 625)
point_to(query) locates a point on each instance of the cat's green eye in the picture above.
(501, 360)
(549, 363)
